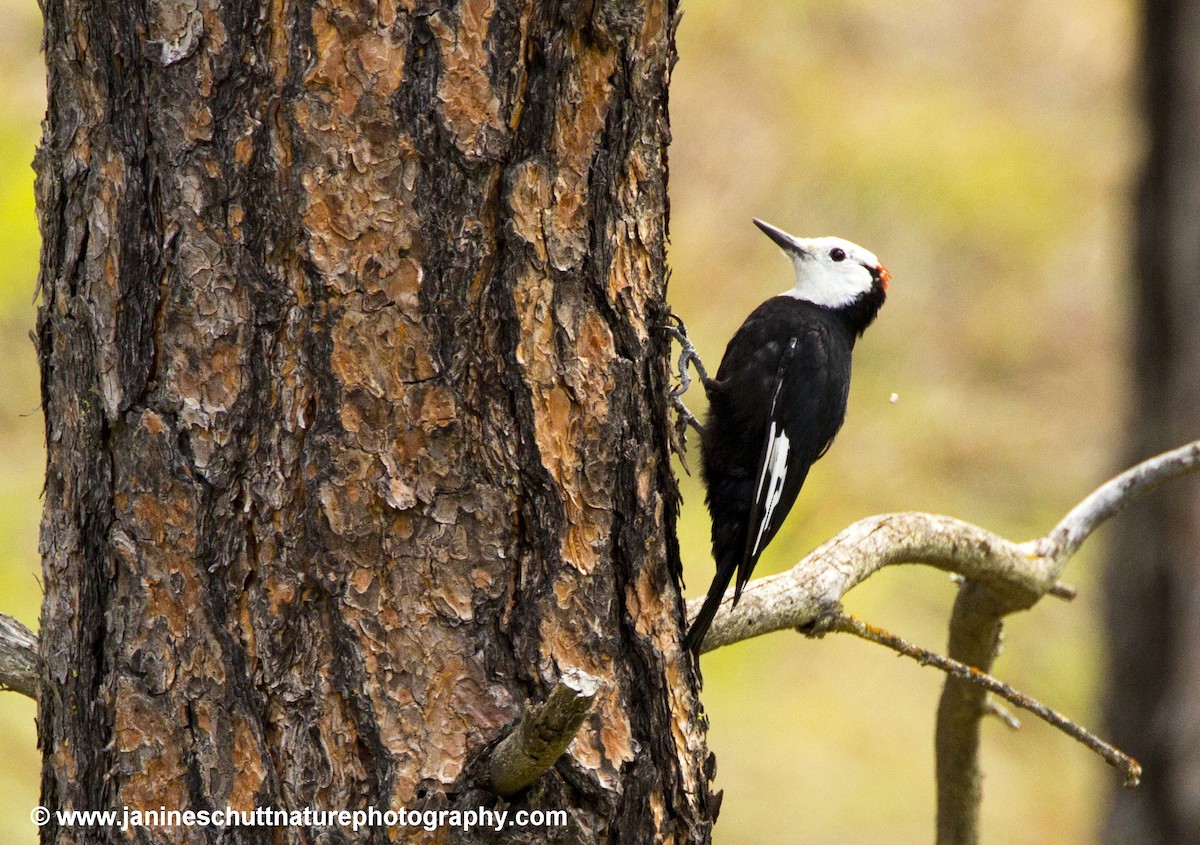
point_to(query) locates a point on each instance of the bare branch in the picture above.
(815, 585)
(1001, 577)
(974, 633)
(1019, 572)
(543, 734)
(975, 638)
(1109, 498)
(19, 661)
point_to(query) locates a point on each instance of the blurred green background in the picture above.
(22, 458)
(985, 151)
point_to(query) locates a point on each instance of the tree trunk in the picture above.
(1153, 581)
(355, 412)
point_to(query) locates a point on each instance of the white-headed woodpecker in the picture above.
(778, 400)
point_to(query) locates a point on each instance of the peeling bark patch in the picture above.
(429, 706)
(167, 657)
(379, 351)
(152, 776)
(584, 100)
(204, 354)
(354, 61)
(470, 106)
(359, 214)
(176, 28)
(249, 770)
(566, 351)
(102, 270)
(630, 261)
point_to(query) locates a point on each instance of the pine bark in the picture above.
(355, 411)
(1153, 581)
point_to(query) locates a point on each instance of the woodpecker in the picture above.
(778, 400)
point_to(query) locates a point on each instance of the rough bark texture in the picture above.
(1153, 581)
(355, 413)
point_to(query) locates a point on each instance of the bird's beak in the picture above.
(785, 241)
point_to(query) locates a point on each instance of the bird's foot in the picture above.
(687, 356)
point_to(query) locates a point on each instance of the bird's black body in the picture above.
(776, 404)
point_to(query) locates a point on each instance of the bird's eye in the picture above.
(837, 253)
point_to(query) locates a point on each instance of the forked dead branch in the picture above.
(1021, 572)
(1001, 577)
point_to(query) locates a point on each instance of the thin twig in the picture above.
(992, 707)
(846, 623)
(1063, 590)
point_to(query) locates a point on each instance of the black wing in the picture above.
(807, 408)
(785, 372)
(770, 477)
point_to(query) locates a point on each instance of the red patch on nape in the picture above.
(884, 277)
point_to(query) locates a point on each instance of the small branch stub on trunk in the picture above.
(543, 734)
(19, 662)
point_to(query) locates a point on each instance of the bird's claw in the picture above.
(687, 356)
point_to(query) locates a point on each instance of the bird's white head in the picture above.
(829, 271)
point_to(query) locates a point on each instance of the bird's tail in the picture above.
(712, 602)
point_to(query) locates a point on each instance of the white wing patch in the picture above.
(774, 473)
